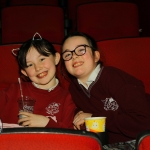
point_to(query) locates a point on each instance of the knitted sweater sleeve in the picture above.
(3, 101)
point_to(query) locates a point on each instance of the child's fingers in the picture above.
(78, 124)
(22, 120)
(77, 117)
(76, 120)
(80, 112)
(24, 113)
(26, 123)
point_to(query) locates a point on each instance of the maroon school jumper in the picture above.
(56, 104)
(118, 96)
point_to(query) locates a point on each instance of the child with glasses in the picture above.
(105, 91)
(54, 107)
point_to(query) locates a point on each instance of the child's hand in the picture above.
(33, 120)
(79, 119)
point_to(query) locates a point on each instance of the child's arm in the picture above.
(65, 121)
(79, 119)
(66, 115)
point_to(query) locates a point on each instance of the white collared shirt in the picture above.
(91, 78)
(49, 89)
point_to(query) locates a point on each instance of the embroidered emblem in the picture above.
(110, 104)
(53, 108)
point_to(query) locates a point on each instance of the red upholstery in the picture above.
(108, 20)
(145, 143)
(49, 141)
(19, 23)
(9, 70)
(3, 86)
(33, 2)
(143, 140)
(72, 9)
(129, 54)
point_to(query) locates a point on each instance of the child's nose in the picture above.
(74, 55)
(38, 67)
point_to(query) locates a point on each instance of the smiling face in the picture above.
(41, 69)
(80, 66)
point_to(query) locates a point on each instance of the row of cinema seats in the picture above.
(47, 138)
(5, 3)
(129, 54)
(101, 20)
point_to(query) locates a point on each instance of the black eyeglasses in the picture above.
(79, 51)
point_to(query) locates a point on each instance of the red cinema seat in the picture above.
(143, 141)
(129, 54)
(33, 2)
(19, 23)
(108, 20)
(48, 139)
(72, 9)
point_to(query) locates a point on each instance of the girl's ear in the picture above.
(97, 56)
(24, 73)
(57, 58)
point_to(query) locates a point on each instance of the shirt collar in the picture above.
(49, 89)
(92, 77)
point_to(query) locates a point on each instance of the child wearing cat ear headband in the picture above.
(54, 107)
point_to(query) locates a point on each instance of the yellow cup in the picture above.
(95, 124)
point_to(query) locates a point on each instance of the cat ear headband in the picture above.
(36, 36)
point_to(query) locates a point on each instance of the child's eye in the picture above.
(29, 65)
(67, 55)
(81, 51)
(42, 59)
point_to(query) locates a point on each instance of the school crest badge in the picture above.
(110, 104)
